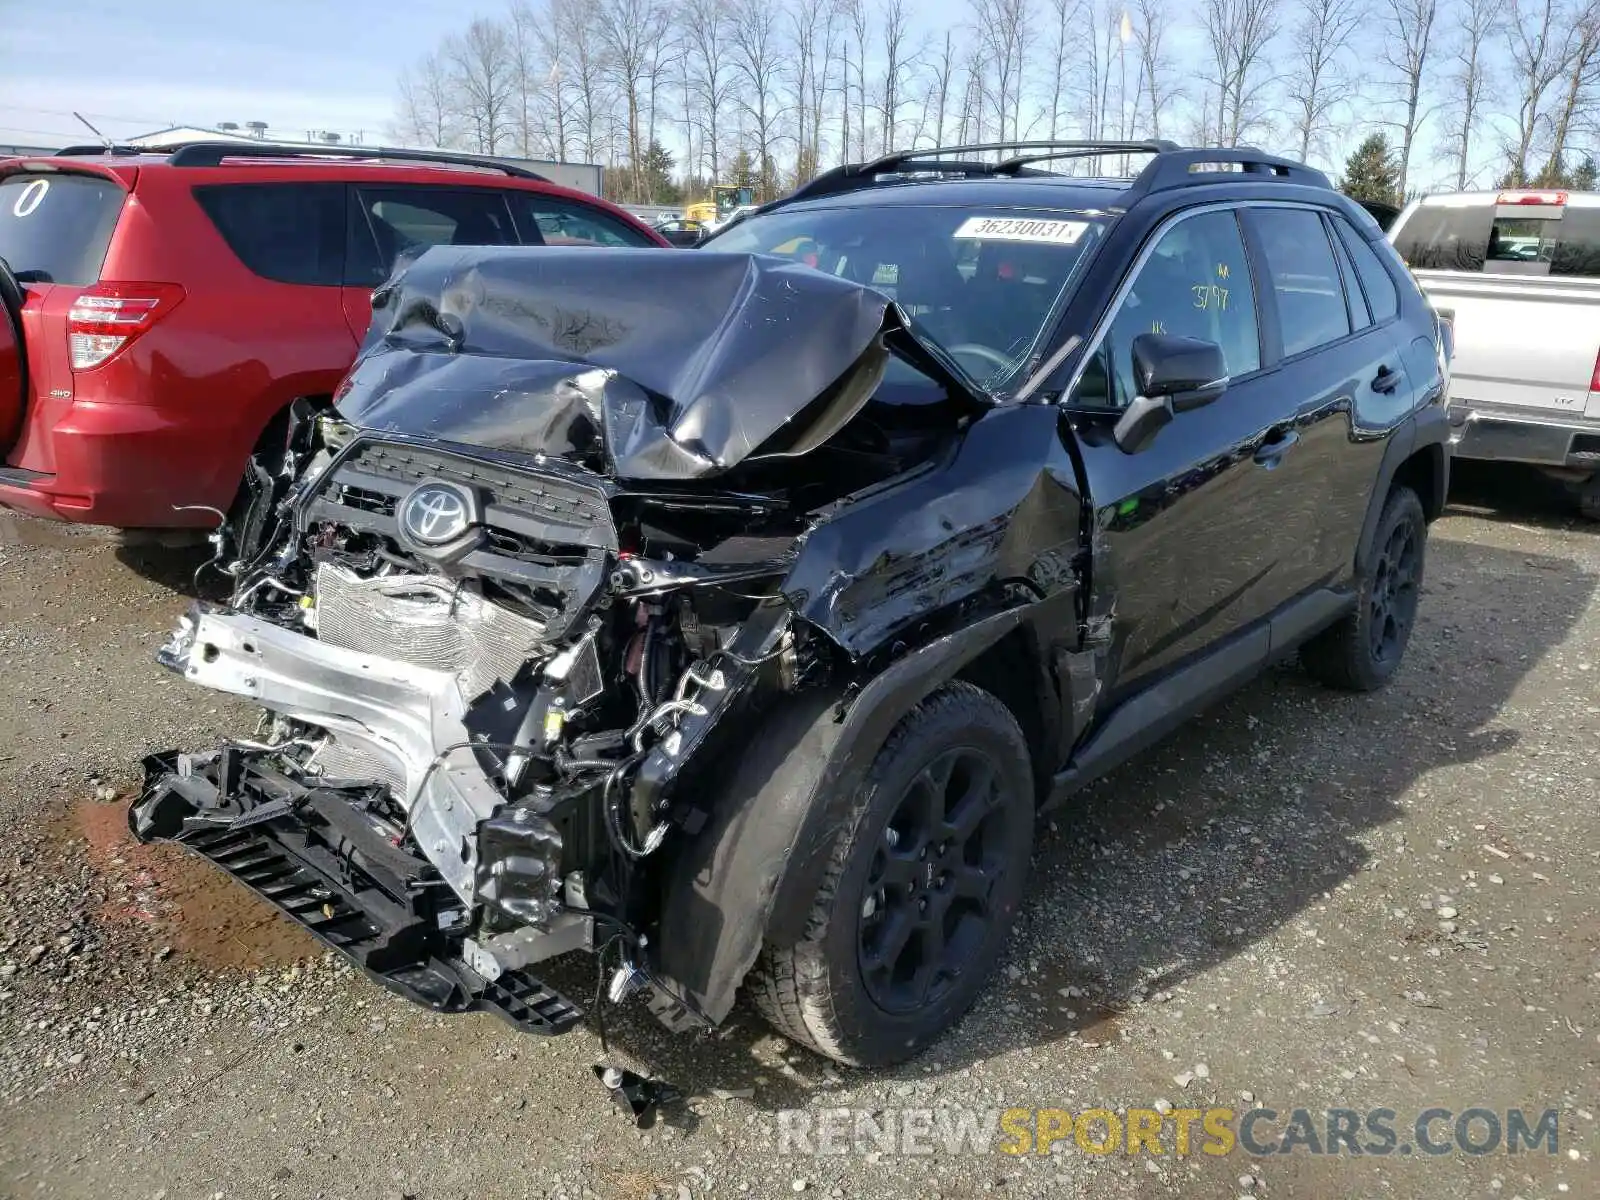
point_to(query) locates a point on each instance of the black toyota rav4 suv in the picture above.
(732, 614)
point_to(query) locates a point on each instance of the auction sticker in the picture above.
(1021, 229)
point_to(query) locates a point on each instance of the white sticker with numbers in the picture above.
(1021, 229)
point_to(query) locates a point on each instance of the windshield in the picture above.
(982, 285)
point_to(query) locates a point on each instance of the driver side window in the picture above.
(1195, 283)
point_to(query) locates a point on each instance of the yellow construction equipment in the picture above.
(726, 199)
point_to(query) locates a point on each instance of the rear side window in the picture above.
(286, 232)
(1304, 277)
(564, 223)
(1502, 240)
(392, 222)
(55, 227)
(1577, 243)
(1436, 238)
(1382, 296)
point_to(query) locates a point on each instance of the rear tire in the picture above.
(920, 892)
(1362, 651)
(1587, 494)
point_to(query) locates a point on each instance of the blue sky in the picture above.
(302, 65)
(131, 68)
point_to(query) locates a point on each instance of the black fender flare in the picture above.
(1426, 429)
(750, 875)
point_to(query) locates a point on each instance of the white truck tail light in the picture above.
(108, 316)
(1594, 379)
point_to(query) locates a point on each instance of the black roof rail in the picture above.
(98, 149)
(1170, 166)
(850, 176)
(1177, 168)
(211, 154)
(1085, 150)
(892, 161)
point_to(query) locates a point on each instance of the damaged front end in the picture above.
(513, 608)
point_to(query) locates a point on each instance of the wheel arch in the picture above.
(1417, 455)
(751, 874)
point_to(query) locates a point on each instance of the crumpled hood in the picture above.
(662, 364)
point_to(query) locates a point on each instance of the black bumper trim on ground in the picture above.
(396, 941)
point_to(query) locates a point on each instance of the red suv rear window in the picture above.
(55, 227)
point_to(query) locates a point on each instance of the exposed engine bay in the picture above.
(511, 606)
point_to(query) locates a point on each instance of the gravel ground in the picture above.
(1302, 900)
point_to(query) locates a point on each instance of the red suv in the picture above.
(159, 310)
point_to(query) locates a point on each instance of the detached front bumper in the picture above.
(309, 853)
(1503, 434)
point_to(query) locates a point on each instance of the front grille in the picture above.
(548, 530)
(550, 499)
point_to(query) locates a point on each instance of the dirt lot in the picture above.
(1303, 900)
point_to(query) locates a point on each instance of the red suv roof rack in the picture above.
(211, 154)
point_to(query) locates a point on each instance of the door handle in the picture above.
(1270, 454)
(1385, 380)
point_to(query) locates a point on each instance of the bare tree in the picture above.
(757, 62)
(577, 56)
(898, 57)
(631, 32)
(1239, 34)
(942, 72)
(1155, 69)
(861, 27)
(971, 125)
(844, 86)
(428, 113)
(1582, 73)
(1408, 40)
(481, 67)
(1537, 54)
(1319, 81)
(1477, 21)
(1096, 34)
(710, 60)
(1066, 22)
(1002, 40)
(813, 34)
(528, 72)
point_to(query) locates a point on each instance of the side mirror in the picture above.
(1173, 375)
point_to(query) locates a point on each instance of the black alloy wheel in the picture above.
(1393, 597)
(927, 909)
(1361, 651)
(922, 885)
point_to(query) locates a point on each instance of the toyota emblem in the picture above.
(435, 513)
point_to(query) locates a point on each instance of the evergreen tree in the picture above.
(1370, 173)
(744, 172)
(657, 172)
(1583, 176)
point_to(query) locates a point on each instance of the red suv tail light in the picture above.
(106, 317)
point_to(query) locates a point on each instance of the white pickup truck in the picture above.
(1518, 274)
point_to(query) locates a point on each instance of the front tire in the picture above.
(1363, 651)
(920, 892)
